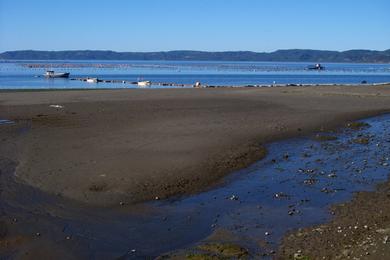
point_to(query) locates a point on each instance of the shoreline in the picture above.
(167, 85)
(205, 148)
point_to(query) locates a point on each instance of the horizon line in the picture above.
(193, 50)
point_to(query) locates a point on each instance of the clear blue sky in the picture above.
(213, 25)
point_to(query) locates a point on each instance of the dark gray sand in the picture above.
(109, 146)
(117, 147)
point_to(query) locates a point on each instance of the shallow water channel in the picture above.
(5, 122)
(292, 187)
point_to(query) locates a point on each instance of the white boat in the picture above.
(92, 80)
(144, 83)
(52, 74)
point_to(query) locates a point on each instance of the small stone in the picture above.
(38, 234)
(280, 195)
(383, 231)
(346, 252)
(121, 203)
(157, 198)
(233, 197)
(68, 238)
(267, 233)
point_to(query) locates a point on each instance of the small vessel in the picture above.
(52, 74)
(92, 80)
(318, 66)
(144, 83)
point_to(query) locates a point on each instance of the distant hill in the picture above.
(358, 56)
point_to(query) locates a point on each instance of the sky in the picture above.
(208, 25)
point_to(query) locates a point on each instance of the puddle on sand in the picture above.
(291, 188)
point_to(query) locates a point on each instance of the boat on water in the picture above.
(92, 80)
(52, 74)
(318, 66)
(144, 83)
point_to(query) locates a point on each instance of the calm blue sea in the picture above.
(28, 74)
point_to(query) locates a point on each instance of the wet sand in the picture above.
(109, 147)
(359, 230)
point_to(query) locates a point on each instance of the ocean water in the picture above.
(28, 74)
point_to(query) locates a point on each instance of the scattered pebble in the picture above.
(233, 197)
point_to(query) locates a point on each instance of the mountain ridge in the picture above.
(287, 55)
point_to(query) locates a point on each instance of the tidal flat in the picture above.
(140, 173)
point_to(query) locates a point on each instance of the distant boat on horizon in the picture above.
(318, 66)
(52, 74)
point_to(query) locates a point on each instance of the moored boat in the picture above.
(318, 66)
(144, 83)
(52, 74)
(92, 80)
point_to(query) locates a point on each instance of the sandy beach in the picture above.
(106, 147)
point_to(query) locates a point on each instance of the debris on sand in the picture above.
(98, 187)
(56, 106)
